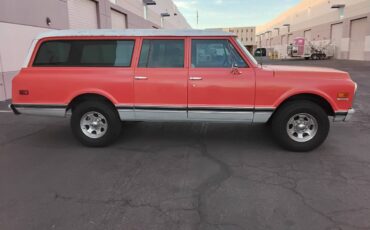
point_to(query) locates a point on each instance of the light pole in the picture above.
(164, 15)
(146, 4)
(287, 35)
(340, 8)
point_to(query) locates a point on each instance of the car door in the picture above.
(160, 82)
(221, 85)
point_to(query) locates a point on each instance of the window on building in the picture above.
(99, 53)
(247, 30)
(162, 54)
(215, 54)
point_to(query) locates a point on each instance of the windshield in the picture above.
(250, 56)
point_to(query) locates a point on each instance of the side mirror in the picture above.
(235, 69)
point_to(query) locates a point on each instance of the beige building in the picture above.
(246, 35)
(345, 23)
(21, 21)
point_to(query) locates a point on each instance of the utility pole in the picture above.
(197, 19)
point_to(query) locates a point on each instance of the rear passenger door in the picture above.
(160, 82)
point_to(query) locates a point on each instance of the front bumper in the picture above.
(344, 116)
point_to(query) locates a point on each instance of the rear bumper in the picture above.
(15, 111)
(344, 116)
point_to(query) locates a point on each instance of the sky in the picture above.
(231, 13)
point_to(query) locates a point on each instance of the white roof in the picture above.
(133, 32)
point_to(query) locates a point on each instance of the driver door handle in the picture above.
(141, 78)
(195, 78)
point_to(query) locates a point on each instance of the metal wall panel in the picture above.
(336, 38)
(357, 39)
(118, 20)
(83, 14)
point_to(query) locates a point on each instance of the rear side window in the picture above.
(215, 54)
(162, 54)
(94, 53)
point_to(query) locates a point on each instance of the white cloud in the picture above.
(185, 4)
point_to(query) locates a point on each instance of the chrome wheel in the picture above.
(302, 127)
(93, 124)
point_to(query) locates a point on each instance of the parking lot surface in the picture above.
(186, 175)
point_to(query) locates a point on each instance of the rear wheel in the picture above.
(300, 126)
(95, 123)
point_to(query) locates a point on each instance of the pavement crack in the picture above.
(213, 182)
(21, 137)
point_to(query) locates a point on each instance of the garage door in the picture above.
(357, 40)
(118, 20)
(2, 84)
(336, 38)
(83, 14)
(307, 35)
(290, 39)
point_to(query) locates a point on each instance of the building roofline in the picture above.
(131, 32)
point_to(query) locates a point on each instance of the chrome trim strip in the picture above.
(261, 117)
(54, 112)
(40, 106)
(343, 115)
(349, 114)
(40, 109)
(126, 114)
(160, 115)
(220, 116)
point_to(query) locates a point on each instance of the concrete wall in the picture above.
(22, 20)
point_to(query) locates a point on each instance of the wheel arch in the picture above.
(322, 100)
(89, 96)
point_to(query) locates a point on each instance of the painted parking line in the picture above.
(5, 111)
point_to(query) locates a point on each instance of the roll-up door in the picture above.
(336, 38)
(357, 39)
(83, 14)
(118, 20)
(307, 35)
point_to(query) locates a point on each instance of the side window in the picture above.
(215, 54)
(107, 53)
(53, 53)
(162, 54)
(98, 53)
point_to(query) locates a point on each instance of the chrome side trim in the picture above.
(349, 114)
(160, 115)
(126, 114)
(343, 115)
(54, 112)
(262, 117)
(221, 116)
(40, 109)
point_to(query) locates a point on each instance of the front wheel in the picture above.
(300, 126)
(95, 123)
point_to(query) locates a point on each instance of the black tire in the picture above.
(112, 120)
(280, 125)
